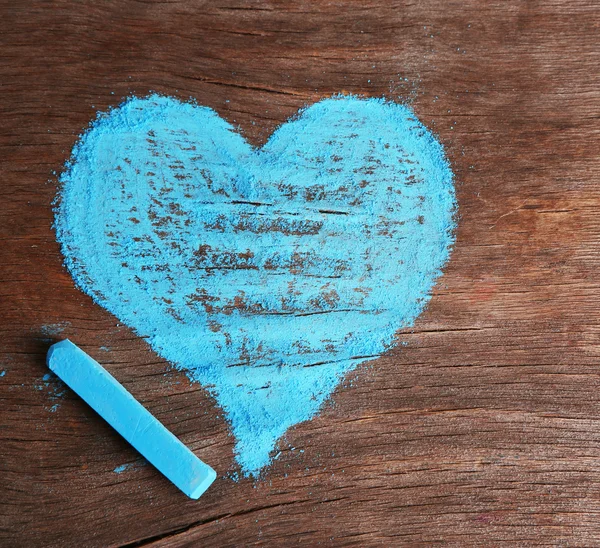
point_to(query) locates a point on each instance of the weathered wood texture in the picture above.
(483, 430)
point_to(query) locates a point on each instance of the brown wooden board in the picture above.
(483, 430)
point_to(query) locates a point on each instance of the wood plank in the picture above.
(483, 430)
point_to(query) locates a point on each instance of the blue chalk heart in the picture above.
(267, 274)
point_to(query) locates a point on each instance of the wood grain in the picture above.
(483, 430)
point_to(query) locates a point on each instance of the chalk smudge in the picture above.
(120, 469)
(55, 390)
(267, 274)
(49, 332)
(139, 463)
(54, 328)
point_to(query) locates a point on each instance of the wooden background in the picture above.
(483, 430)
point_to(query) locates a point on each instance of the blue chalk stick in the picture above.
(128, 417)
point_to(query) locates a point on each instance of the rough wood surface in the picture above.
(483, 430)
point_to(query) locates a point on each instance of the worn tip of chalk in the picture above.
(101, 391)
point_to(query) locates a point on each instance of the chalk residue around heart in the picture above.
(266, 274)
